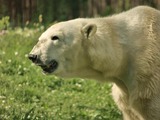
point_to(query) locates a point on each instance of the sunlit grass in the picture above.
(27, 94)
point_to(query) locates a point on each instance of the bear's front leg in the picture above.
(129, 115)
(121, 99)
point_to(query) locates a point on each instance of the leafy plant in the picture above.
(4, 23)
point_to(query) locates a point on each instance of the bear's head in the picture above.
(62, 49)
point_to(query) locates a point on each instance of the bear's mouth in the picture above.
(50, 67)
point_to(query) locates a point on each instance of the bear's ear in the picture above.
(89, 30)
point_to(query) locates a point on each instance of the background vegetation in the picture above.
(22, 12)
(27, 94)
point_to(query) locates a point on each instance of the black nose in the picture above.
(33, 57)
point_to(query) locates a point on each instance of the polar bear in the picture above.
(123, 49)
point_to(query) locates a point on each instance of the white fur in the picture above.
(123, 49)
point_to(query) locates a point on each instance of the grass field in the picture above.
(27, 94)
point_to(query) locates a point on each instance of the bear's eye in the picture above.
(54, 38)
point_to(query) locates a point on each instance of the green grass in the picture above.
(27, 94)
